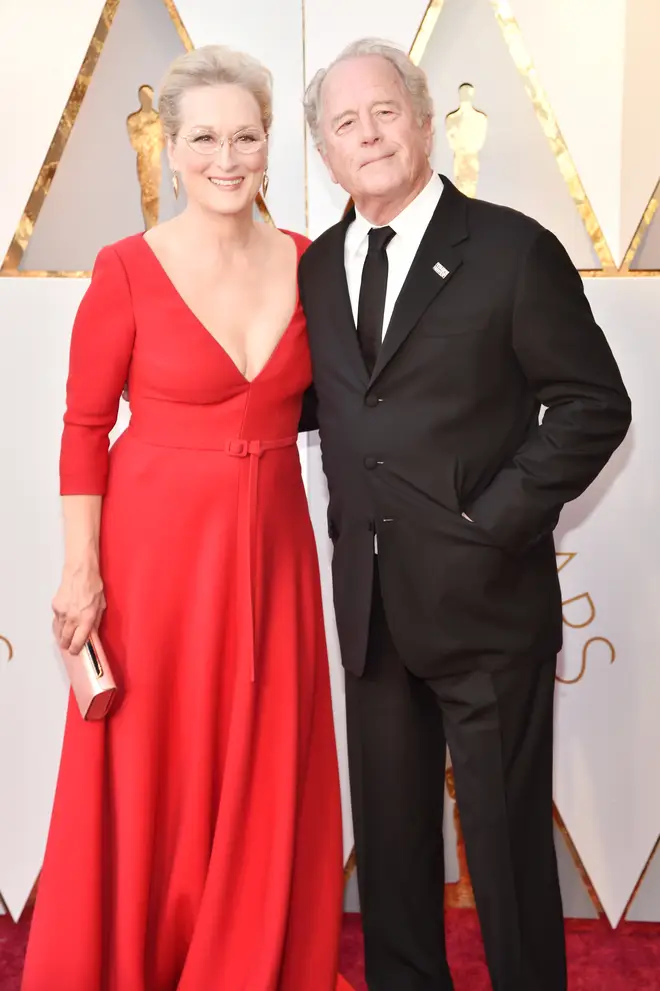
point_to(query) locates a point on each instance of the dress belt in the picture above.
(247, 522)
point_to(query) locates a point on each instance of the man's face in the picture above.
(371, 140)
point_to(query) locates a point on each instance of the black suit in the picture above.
(470, 617)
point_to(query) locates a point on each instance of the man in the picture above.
(439, 326)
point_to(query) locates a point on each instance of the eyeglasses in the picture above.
(246, 142)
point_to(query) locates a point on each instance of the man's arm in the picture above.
(568, 363)
(308, 417)
(308, 420)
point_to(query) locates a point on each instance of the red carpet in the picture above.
(599, 959)
(13, 940)
(627, 959)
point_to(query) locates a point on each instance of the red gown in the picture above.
(195, 843)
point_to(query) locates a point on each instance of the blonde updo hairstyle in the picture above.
(213, 65)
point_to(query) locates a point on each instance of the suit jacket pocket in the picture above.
(454, 325)
(453, 524)
(474, 532)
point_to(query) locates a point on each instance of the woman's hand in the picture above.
(78, 606)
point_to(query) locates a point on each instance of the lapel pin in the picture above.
(441, 270)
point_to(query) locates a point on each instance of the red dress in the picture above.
(195, 843)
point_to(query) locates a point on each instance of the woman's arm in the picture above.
(101, 347)
(79, 602)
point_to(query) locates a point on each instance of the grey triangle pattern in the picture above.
(467, 46)
(648, 253)
(95, 195)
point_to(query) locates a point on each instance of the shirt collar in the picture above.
(411, 222)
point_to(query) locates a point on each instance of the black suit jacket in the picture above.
(449, 422)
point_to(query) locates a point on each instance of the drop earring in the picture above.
(265, 182)
(175, 184)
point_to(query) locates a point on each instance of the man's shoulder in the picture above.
(487, 216)
(318, 250)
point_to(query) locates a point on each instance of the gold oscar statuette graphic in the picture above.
(7, 647)
(147, 139)
(522, 60)
(466, 130)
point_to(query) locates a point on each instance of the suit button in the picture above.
(371, 400)
(370, 462)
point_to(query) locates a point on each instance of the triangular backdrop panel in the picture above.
(95, 195)
(648, 253)
(574, 894)
(645, 906)
(517, 165)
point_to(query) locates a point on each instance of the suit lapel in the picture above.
(438, 258)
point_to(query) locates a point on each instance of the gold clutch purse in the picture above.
(91, 679)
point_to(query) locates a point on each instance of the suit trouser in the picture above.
(498, 724)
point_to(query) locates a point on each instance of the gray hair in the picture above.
(413, 78)
(213, 65)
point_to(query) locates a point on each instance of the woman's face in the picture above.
(221, 150)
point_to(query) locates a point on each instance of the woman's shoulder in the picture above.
(117, 261)
(124, 253)
(125, 247)
(302, 243)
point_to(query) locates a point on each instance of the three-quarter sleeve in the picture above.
(101, 347)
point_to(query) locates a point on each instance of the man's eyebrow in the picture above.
(338, 117)
(376, 103)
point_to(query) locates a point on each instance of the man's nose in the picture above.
(370, 132)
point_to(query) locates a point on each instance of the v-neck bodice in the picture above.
(185, 390)
(170, 285)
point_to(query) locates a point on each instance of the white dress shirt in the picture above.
(409, 227)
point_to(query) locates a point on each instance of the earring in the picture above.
(175, 184)
(265, 182)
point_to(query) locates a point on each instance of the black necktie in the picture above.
(371, 305)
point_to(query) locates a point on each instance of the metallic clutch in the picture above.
(91, 679)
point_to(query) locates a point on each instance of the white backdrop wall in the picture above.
(594, 63)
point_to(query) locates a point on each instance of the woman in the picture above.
(196, 840)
